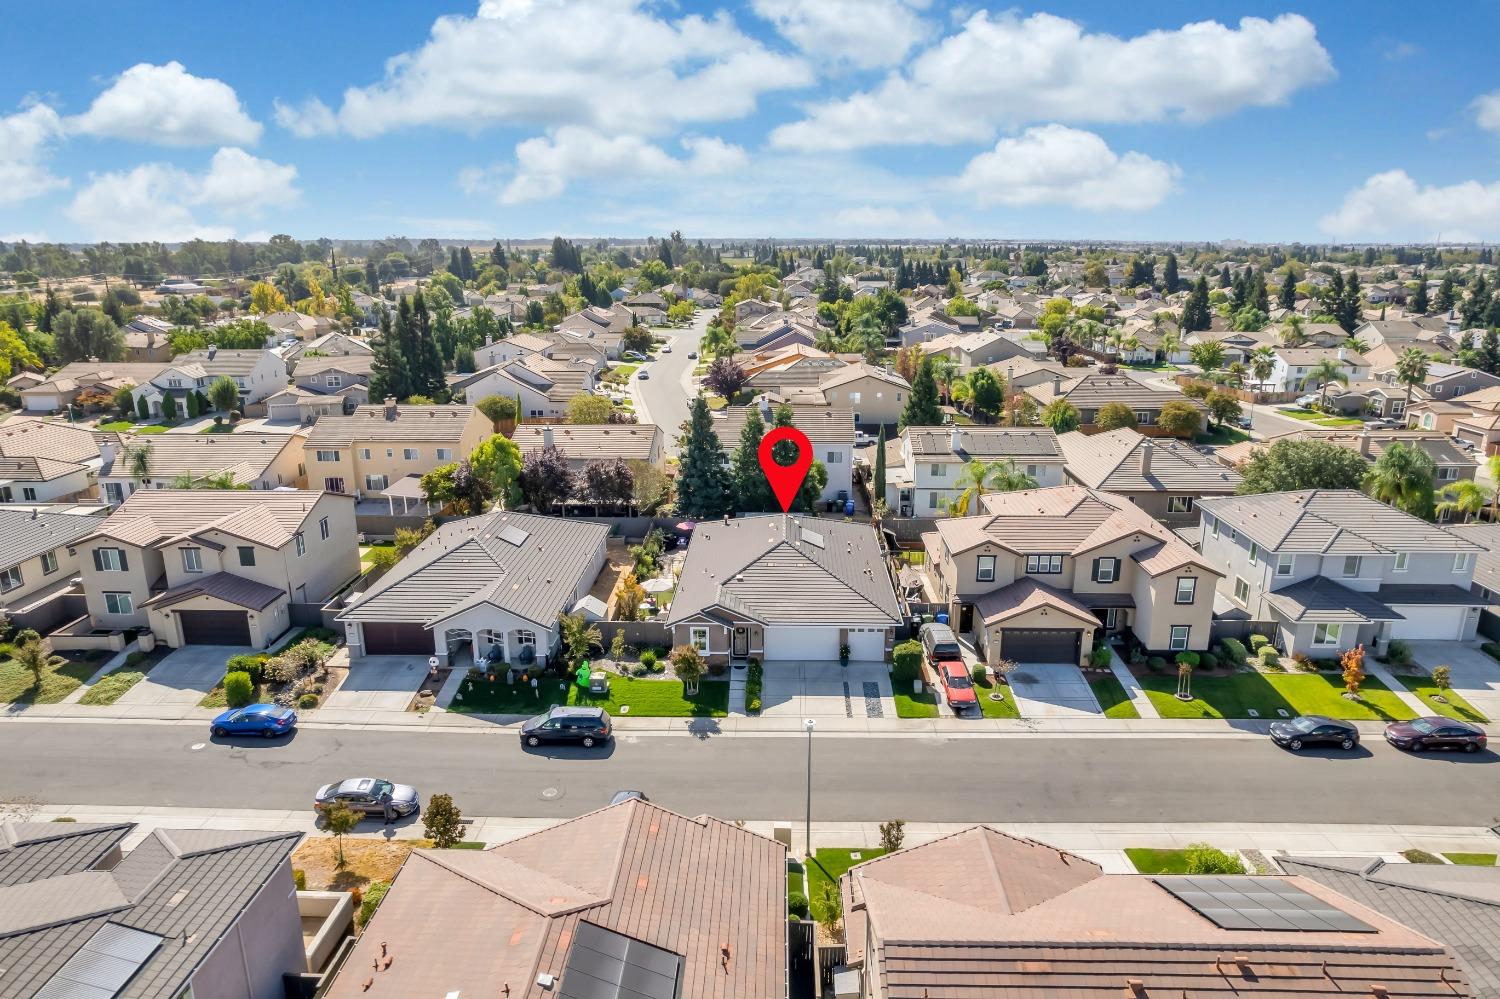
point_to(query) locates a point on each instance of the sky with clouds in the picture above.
(753, 118)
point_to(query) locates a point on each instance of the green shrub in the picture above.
(307, 701)
(1208, 660)
(1100, 657)
(1256, 641)
(299, 878)
(1188, 659)
(796, 904)
(1491, 649)
(753, 684)
(1204, 859)
(1269, 657)
(979, 673)
(372, 895)
(1234, 650)
(254, 665)
(1398, 653)
(906, 661)
(1156, 664)
(648, 659)
(1419, 857)
(238, 689)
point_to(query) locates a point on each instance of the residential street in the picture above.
(1021, 779)
(664, 397)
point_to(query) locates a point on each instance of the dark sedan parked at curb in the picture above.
(366, 794)
(1314, 730)
(268, 720)
(588, 726)
(1435, 732)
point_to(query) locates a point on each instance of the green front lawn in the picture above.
(1112, 698)
(116, 426)
(1148, 367)
(364, 552)
(19, 686)
(1298, 694)
(1321, 419)
(1472, 859)
(1456, 707)
(923, 705)
(1004, 708)
(111, 688)
(645, 698)
(1158, 861)
(155, 428)
(826, 867)
(1222, 436)
(218, 428)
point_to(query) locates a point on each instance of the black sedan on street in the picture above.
(1435, 732)
(1314, 730)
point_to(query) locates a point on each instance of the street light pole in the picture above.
(809, 724)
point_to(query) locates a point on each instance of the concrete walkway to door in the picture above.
(793, 689)
(1053, 690)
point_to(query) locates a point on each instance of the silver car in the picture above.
(363, 794)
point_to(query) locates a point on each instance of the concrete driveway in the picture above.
(827, 690)
(184, 676)
(1053, 690)
(1476, 677)
(382, 683)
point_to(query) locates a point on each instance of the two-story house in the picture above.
(38, 551)
(1092, 392)
(580, 444)
(1041, 574)
(1331, 569)
(1294, 367)
(829, 429)
(254, 461)
(1166, 478)
(217, 567)
(374, 447)
(541, 386)
(923, 465)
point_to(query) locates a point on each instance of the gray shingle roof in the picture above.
(1319, 599)
(632, 441)
(823, 425)
(225, 586)
(30, 851)
(983, 442)
(1330, 522)
(1114, 460)
(411, 423)
(468, 562)
(25, 534)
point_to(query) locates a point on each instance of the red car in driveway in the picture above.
(957, 687)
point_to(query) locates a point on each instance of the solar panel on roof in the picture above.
(813, 538)
(103, 965)
(1255, 903)
(603, 964)
(514, 536)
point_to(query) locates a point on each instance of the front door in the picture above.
(965, 618)
(741, 642)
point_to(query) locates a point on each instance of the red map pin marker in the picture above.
(785, 479)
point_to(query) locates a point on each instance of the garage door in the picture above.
(1432, 623)
(207, 627)
(802, 643)
(394, 638)
(867, 644)
(1040, 645)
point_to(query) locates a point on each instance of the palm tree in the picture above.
(1237, 373)
(1411, 370)
(139, 459)
(1325, 371)
(1292, 334)
(1357, 345)
(1171, 342)
(944, 370)
(1464, 496)
(980, 477)
(1402, 478)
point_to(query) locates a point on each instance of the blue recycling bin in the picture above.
(848, 508)
(942, 618)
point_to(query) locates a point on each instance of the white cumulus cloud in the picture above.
(25, 141)
(160, 201)
(865, 34)
(168, 106)
(1391, 205)
(1001, 68)
(1486, 108)
(307, 119)
(611, 65)
(1058, 165)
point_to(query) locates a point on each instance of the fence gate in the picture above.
(801, 965)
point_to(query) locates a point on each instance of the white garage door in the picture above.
(867, 644)
(801, 643)
(1432, 623)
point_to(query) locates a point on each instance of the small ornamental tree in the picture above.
(442, 822)
(1353, 663)
(168, 407)
(1442, 677)
(725, 378)
(689, 666)
(1060, 415)
(1223, 407)
(224, 394)
(142, 409)
(892, 835)
(497, 408)
(1180, 420)
(339, 819)
(546, 479)
(1115, 416)
(629, 596)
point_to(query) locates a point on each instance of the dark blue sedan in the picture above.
(269, 720)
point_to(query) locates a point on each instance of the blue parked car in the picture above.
(269, 720)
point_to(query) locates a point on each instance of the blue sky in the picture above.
(839, 118)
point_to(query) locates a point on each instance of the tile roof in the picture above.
(787, 570)
(1310, 356)
(248, 456)
(26, 534)
(222, 362)
(983, 442)
(224, 586)
(157, 516)
(1487, 562)
(31, 851)
(1437, 446)
(442, 424)
(1113, 461)
(631, 441)
(76, 373)
(23, 438)
(1094, 390)
(823, 425)
(469, 562)
(1319, 599)
(37, 469)
(473, 922)
(1025, 595)
(1330, 522)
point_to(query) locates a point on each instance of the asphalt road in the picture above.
(661, 399)
(935, 779)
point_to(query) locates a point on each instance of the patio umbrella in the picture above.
(686, 526)
(657, 585)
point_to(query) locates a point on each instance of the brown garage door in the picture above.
(211, 627)
(394, 638)
(1040, 645)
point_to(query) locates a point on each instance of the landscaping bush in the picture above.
(251, 664)
(1269, 657)
(1442, 677)
(648, 659)
(1208, 660)
(1491, 649)
(1204, 859)
(796, 904)
(1398, 653)
(299, 878)
(281, 669)
(1256, 641)
(1234, 651)
(979, 674)
(307, 701)
(892, 835)
(373, 894)
(238, 690)
(1156, 664)
(906, 661)
(1420, 857)
(753, 684)
(1189, 659)
(1099, 658)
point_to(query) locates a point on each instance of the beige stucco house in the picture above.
(38, 551)
(366, 452)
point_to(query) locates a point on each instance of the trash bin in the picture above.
(848, 508)
(942, 618)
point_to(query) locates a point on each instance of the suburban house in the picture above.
(603, 328)
(1438, 415)
(374, 447)
(1444, 380)
(493, 585)
(63, 386)
(580, 444)
(206, 913)
(829, 429)
(1040, 575)
(981, 348)
(794, 367)
(923, 465)
(541, 386)
(1091, 392)
(511, 348)
(1165, 478)
(259, 461)
(1294, 367)
(784, 587)
(614, 903)
(146, 339)
(38, 552)
(1331, 569)
(42, 461)
(876, 396)
(343, 375)
(1450, 462)
(1043, 922)
(1372, 397)
(257, 374)
(217, 567)
(1016, 373)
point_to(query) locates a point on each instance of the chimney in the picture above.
(547, 437)
(1341, 353)
(765, 408)
(1057, 384)
(212, 350)
(390, 407)
(1146, 451)
(1364, 443)
(106, 452)
(955, 439)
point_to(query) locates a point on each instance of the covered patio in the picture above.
(408, 490)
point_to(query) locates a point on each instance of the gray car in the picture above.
(363, 794)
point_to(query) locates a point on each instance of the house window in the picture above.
(192, 560)
(1179, 504)
(1400, 562)
(49, 563)
(1031, 471)
(28, 493)
(247, 555)
(1187, 589)
(445, 454)
(301, 544)
(375, 482)
(334, 381)
(110, 559)
(390, 452)
(1144, 417)
(1351, 565)
(932, 499)
(1327, 634)
(1461, 562)
(327, 456)
(833, 458)
(1284, 564)
(854, 398)
(1048, 564)
(114, 493)
(119, 603)
(1241, 590)
(1213, 526)
(364, 454)
(323, 528)
(986, 573)
(1179, 639)
(10, 579)
(698, 638)
(1254, 553)
(410, 454)
(1112, 618)
(938, 471)
(1447, 473)
(1106, 570)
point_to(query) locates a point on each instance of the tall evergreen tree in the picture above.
(1489, 352)
(1287, 297)
(1260, 297)
(1350, 304)
(426, 360)
(922, 402)
(454, 267)
(1419, 302)
(1195, 314)
(497, 255)
(388, 376)
(877, 481)
(703, 481)
(1477, 305)
(752, 492)
(1169, 278)
(1447, 295)
(1225, 280)
(466, 263)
